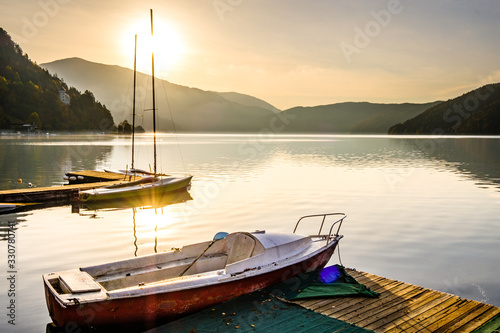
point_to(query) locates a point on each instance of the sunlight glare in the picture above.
(167, 44)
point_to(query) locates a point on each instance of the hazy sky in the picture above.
(289, 53)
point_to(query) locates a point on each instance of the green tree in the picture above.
(125, 127)
(25, 89)
(35, 119)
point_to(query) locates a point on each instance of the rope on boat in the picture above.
(338, 252)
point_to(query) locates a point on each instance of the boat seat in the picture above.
(74, 282)
(240, 246)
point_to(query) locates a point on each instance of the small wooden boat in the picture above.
(149, 187)
(161, 287)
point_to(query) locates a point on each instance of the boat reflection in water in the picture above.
(136, 203)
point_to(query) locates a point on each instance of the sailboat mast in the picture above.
(133, 106)
(153, 86)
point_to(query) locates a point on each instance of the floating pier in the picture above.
(403, 307)
(84, 180)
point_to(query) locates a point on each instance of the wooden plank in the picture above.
(415, 318)
(423, 302)
(356, 302)
(361, 301)
(452, 316)
(399, 311)
(393, 302)
(460, 321)
(358, 308)
(404, 312)
(480, 320)
(442, 317)
(471, 325)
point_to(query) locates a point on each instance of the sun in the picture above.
(167, 44)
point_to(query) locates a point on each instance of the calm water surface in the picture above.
(420, 210)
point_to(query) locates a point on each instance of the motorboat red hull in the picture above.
(158, 308)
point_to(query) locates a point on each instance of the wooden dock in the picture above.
(403, 307)
(400, 307)
(62, 194)
(92, 176)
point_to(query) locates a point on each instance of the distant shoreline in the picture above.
(4, 134)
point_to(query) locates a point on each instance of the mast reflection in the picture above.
(142, 203)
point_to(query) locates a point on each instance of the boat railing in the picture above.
(329, 235)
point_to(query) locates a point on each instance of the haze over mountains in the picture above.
(195, 110)
(192, 109)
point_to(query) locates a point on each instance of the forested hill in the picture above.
(30, 94)
(351, 117)
(476, 112)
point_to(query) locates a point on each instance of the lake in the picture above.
(423, 210)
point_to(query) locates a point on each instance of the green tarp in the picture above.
(345, 285)
(263, 311)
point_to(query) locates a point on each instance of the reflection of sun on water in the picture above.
(167, 44)
(155, 228)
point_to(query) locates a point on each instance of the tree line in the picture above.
(30, 94)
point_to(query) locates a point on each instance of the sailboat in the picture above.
(150, 184)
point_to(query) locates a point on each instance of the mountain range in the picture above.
(191, 109)
(29, 94)
(187, 109)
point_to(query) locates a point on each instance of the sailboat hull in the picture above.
(151, 190)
